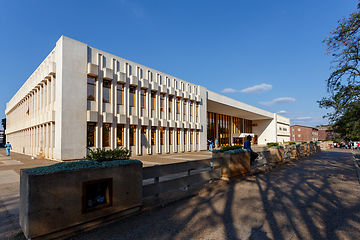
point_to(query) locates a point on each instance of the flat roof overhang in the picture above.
(218, 103)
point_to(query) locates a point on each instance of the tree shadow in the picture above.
(313, 198)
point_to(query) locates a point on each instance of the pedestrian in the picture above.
(247, 145)
(216, 143)
(8, 147)
(210, 145)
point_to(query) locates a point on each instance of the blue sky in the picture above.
(268, 54)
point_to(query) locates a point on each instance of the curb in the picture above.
(356, 162)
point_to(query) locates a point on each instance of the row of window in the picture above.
(223, 123)
(150, 76)
(37, 102)
(91, 93)
(106, 135)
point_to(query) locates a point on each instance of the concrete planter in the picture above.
(59, 203)
(312, 148)
(295, 151)
(306, 149)
(318, 148)
(276, 154)
(234, 164)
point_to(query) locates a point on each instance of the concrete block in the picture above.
(58, 204)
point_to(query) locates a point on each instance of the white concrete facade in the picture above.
(83, 97)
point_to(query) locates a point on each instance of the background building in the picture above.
(324, 134)
(81, 97)
(304, 133)
(2, 137)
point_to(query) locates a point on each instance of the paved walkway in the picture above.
(314, 198)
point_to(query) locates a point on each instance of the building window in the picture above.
(197, 109)
(185, 136)
(91, 134)
(178, 136)
(197, 137)
(162, 98)
(211, 126)
(162, 136)
(191, 136)
(223, 129)
(107, 91)
(91, 88)
(177, 105)
(238, 125)
(171, 136)
(106, 134)
(170, 104)
(299, 135)
(248, 126)
(132, 91)
(184, 107)
(120, 135)
(299, 129)
(153, 136)
(143, 98)
(191, 108)
(132, 135)
(153, 100)
(143, 136)
(120, 94)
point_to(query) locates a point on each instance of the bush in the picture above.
(272, 144)
(228, 148)
(291, 143)
(108, 155)
(302, 142)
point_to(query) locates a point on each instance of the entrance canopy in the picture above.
(217, 103)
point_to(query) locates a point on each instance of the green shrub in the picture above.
(108, 155)
(236, 151)
(272, 144)
(303, 142)
(291, 143)
(228, 148)
(78, 165)
(311, 142)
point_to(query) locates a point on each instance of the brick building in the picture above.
(303, 133)
(324, 134)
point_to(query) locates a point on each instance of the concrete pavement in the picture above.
(313, 198)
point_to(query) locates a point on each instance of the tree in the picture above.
(343, 84)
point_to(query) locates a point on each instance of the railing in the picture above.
(162, 178)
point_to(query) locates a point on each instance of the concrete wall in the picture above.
(70, 128)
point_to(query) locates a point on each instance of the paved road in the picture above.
(313, 198)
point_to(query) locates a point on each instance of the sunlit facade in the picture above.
(81, 97)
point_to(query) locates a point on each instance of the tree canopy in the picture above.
(344, 83)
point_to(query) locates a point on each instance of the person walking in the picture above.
(8, 147)
(247, 145)
(210, 145)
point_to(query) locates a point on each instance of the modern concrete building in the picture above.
(304, 133)
(83, 97)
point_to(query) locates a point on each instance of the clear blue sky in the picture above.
(230, 47)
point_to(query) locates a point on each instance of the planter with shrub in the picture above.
(67, 197)
(236, 161)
